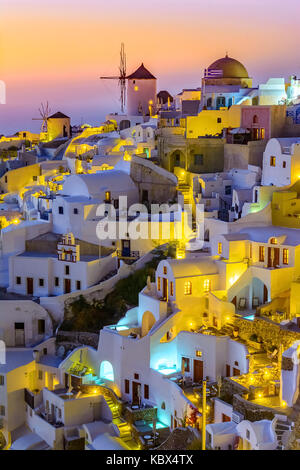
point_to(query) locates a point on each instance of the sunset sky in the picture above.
(57, 49)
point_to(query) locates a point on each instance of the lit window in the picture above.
(158, 283)
(107, 196)
(206, 285)
(198, 353)
(171, 288)
(187, 288)
(220, 248)
(262, 253)
(285, 257)
(273, 241)
(272, 161)
(136, 88)
(165, 270)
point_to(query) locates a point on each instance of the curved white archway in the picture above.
(106, 371)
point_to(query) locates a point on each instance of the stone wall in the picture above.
(77, 338)
(252, 411)
(146, 414)
(270, 333)
(229, 388)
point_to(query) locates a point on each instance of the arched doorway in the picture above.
(147, 322)
(177, 158)
(106, 371)
(260, 293)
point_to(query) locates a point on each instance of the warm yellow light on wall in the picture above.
(136, 88)
(284, 404)
(16, 221)
(206, 285)
(233, 279)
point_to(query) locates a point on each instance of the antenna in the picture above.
(44, 111)
(122, 77)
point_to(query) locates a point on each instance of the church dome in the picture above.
(231, 68)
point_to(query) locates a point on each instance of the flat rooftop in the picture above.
(16, 358)
(37, 254)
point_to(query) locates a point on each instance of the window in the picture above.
(34, 178)
(75, 211)
(198, 159)
(220, 248)
(227, 190)
(272, 161)
(45, 351)
(187, 288)
(18, 280)
(126, 386)
(262, 254)
(186, 364)
(56, 281)
(198, 353)
(146, 392)
(41, 327)
(136, 376)
(60, 210)
(40, 375)
(219, 120)
(78, 285)
(273, 241)
(107, 196)
(158, 283)
(1, 379)
(67, 270)
(283, 164)
(41, 282)
(285, 256)
(2, 410)
(165, 270)
(209, 102)
(163, 405)
(5, 179)
(207, 285)
(171, 288)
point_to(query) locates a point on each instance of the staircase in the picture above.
(114, 407)
(124, 430)
(186, 192)
(283, 429)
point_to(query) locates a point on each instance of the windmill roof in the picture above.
(141, 73)
(58, 115)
